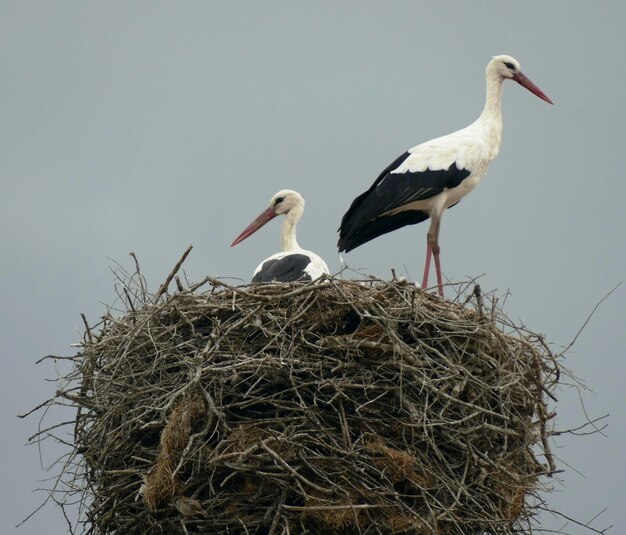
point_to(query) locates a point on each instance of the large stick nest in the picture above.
(341, 407)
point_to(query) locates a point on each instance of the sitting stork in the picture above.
(430, 178)
(293, 263)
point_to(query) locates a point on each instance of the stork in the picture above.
(293, 263)
(430, 178)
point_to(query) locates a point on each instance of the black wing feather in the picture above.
(364, 220)
(290, 268)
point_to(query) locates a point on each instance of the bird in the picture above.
(293, 263)
(431, 177)
(189, 506)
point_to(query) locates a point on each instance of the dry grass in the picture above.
(344, 407)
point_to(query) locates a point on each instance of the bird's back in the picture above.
(290, 266)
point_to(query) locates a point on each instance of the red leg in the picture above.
(433, 247)
(429, 250)
(438, 269)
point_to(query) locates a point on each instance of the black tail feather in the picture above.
(351, 236)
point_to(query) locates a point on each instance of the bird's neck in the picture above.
(493, 101)
(490, 120)
(289, 229)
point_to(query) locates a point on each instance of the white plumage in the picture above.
(292, 263)
(431, 177)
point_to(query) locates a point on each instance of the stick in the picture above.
(164, 286)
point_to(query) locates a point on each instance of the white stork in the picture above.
(430, 178)
(293, 263)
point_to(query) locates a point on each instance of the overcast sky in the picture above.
(149, 126)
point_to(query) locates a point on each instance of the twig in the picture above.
(169, 278)
(582, 328)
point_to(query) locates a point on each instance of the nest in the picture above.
(340, 407)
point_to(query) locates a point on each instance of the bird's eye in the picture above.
(279, 200)
(509, 65)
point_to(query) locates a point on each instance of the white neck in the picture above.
(493, 101)
(289, 228)
(490, 120)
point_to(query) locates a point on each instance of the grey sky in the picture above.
(149, 126)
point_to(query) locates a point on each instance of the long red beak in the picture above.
(526, 82)
(264, 217)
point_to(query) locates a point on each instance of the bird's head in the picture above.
(283, 202)
(507, 67)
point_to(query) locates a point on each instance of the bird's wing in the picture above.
(283, 268)
(403, 186)
(415, 176)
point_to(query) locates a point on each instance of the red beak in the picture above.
(264, 217)
(524, 81)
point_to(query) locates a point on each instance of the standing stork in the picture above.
(293, 263)
(430, 178)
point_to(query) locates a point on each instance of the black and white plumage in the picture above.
(293, 263)
(430, 178)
